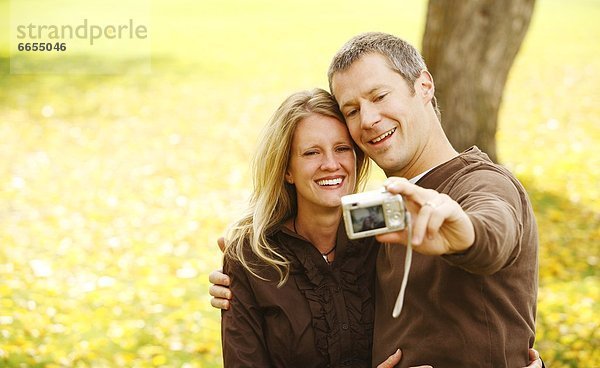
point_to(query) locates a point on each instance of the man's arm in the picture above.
(395, 359)
(439, 225)
(481, 234)
(534, 360)
(219, 290)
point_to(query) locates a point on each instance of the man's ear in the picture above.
(424, 86)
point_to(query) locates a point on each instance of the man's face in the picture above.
(387, 121)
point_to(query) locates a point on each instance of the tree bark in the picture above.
(469, 47)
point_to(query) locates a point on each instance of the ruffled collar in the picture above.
(315, 279)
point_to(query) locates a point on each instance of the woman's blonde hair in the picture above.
(273, 200)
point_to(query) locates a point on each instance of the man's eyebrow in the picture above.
(346, 104)
(371, 92)
(376, 89)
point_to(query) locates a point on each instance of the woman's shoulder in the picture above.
(247, 261)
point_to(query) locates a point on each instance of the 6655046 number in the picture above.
(42, 46)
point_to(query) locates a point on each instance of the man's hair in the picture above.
(402, 58)
(273, 200)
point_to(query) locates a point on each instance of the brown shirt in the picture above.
(475, 309)
(321, 317)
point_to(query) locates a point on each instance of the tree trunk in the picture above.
(469, 47)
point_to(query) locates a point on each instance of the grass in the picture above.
(113, 188)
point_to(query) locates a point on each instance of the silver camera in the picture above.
(372, 213)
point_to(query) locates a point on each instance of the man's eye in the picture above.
(380, 97)
(310, 153)
(344, 148)
(351, 113)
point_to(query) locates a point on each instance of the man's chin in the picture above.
(390, 165)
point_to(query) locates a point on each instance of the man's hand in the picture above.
(534, 359)
(439, 224)
(395, 359)
(220, 288)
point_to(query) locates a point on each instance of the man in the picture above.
(471, 296)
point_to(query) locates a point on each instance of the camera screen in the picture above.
(367, 218)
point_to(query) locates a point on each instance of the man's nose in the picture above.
(369, 116)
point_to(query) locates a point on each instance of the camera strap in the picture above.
(407, 264)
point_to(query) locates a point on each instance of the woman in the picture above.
(304, 292)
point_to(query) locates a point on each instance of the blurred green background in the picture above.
(114, 188)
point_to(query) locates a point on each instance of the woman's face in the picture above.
(322, 163)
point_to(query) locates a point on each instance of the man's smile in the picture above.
(383, 136)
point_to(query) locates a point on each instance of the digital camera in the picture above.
(372, 213)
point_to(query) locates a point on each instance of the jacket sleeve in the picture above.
(242, 334)
(495, 207)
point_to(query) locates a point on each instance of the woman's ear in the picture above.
(288, 178)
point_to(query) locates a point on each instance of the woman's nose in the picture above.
(330, 162)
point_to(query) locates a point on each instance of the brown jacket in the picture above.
(475, 309)
(321, 317)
